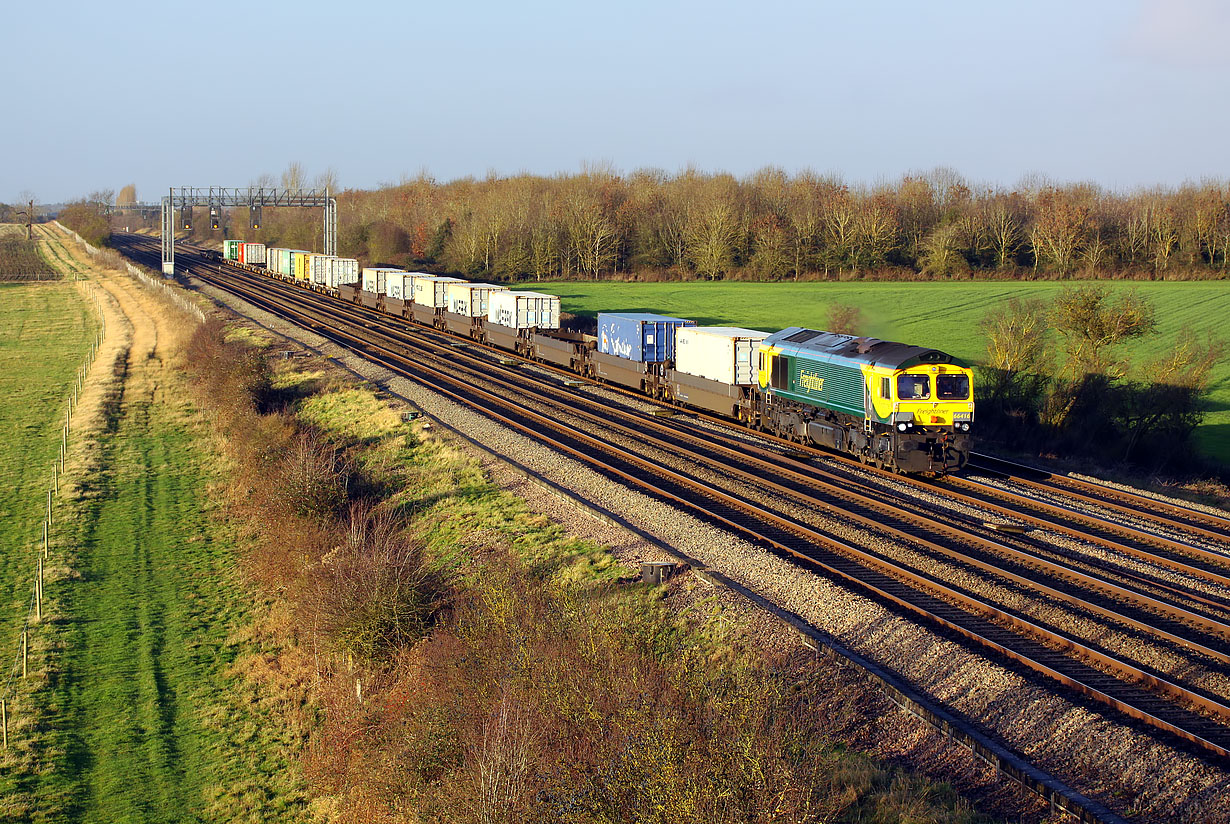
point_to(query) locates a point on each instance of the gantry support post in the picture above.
(168, 234)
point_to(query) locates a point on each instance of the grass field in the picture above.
(45, 331)
(943, 315)
(138, 707)
(147, 720)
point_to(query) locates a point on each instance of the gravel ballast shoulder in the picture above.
(1103, 758)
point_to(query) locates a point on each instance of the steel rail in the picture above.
(1111, 498)
(397, 362)
(866, 499)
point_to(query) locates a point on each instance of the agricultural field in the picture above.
(19, 259)
(52, 320)
(137, 707)
(943, 315)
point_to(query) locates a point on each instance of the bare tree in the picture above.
(711, 238)
(1002, 224)
(326, 180)
(1060, 227)
(294, 177)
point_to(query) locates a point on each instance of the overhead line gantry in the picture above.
(184, 199)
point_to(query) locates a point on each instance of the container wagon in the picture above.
(715, 369)
(634, 348)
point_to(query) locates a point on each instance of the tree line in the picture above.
(777, 226)
(651, 225)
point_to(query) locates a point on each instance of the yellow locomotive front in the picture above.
(929, 406)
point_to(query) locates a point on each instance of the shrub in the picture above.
(375, 592)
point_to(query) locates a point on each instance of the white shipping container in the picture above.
(470, 299)
(429, 290)
(725, 354)
(397, 285)
(374, 278)
(318, 268)
(254, 253)
(342, 271)
(523, 310)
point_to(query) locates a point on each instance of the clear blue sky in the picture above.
(1121, 92)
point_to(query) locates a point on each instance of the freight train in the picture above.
(900, 407)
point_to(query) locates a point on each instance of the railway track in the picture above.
(1184, 519)
(1142, 695)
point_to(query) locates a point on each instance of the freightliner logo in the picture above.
(811, 381)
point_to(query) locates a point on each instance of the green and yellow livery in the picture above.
(898, 406)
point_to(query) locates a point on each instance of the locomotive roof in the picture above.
(860, 349)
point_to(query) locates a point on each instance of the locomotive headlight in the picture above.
(964, 427)
(901, 426)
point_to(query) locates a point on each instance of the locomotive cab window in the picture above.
(913, 387)
(886, 388)
(952, 387)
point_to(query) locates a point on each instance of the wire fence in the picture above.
(34, 611)
(42, 551)
(174, 295)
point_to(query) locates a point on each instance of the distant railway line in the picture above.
(1161, 577)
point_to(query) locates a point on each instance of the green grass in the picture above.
(146, 714)
(138, 707)
(942, 315)
(45, 331)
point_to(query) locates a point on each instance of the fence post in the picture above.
(4, 720)
(38, 591)
(25, 651)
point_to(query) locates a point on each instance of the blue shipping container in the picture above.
(638, 336)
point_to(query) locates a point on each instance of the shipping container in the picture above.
(252, 253)
(398, 285)
(282, 261)
(230, 249)
(277, 259)
(639, 336)
(720, 353)
(318, 269)
(470, 299)
(299, 263)
(374, 278)
(342, 271)
(429, 290)
(523, 310)
(273, 255)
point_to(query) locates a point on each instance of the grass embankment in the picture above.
(943, 315)
(45, 332)
(475, 663)
(144, 712)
